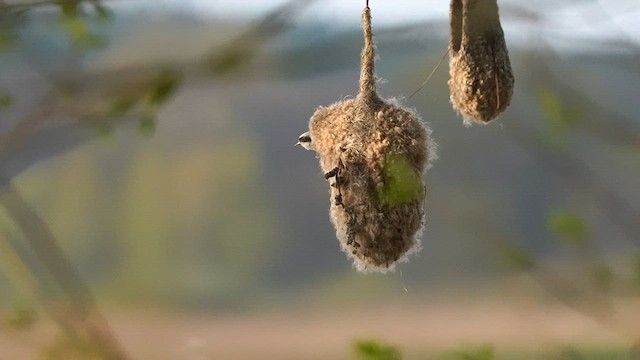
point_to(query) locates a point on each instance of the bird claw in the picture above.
(331, 173)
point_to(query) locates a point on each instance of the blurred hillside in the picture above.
(218, 209)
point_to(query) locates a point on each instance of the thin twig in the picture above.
(424, 83)
(574, 170)
(16, 270)
(4, 6)
(25, 127)
(584, 301)
(86, 318)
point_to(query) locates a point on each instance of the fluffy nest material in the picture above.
(373, 152)
(378, 155)
(481, 81)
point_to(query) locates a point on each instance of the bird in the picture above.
(304, 140)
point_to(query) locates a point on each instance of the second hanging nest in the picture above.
(481, 81)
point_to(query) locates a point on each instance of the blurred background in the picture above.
(153, 206)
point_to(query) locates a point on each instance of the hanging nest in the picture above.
(481, 82)
(373, 152)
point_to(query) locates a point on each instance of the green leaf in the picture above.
(569, 227)
(69, 7)
(80, 34)
(484, 352)
(103, 14)
(104, 129)
(68, 88)
(147, 124)
(516, 257)
(402, 183)
(162, 87)
(551, 105)
(6, 38)
(602, 277)
(560, 117)
(6, 101)
(75, 26)
(569, 353)
(636, 269)
(22, 316)
(120, 106)
(375, 350)
(93, 41)
(230, 59)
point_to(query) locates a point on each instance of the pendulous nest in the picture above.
(481, 80)
(373, 152)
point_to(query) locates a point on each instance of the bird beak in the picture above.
(296, 144)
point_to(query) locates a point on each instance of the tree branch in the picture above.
(82, 315)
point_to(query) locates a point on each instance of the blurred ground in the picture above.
(419, 328)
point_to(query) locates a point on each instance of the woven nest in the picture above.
(481, 81)
(377, 194)
(373, 152)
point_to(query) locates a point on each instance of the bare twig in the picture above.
(25, 127)
(584, 301)
(16, 270)
(33, 4)
(426, 81)
(83, 316)
(576, 171)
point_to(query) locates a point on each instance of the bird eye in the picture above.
(304, 138)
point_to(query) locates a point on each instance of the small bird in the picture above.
(305, 141)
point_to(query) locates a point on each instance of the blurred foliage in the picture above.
(516, 257)
(102, 13)
(75, 23)
(103, 129)
(568, 227)
(561, 118)
(375, 350)
(147, 124)
(236, 54)
(142, 97)
(10, 21)
(6, 101)
(602, 277)
(69, 7)
(162, 86)
(5, 39)
(16, 270)
(569, 353)
(22, 316)
(230, 59)
(574, 352)
(484, 352)
(71, 348)
(402, 183)
(80, 34)
(179, 239)
(635, 266)
(120, 106)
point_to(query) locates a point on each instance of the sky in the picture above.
(389, 12)
(562, 23)
(591, 18)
